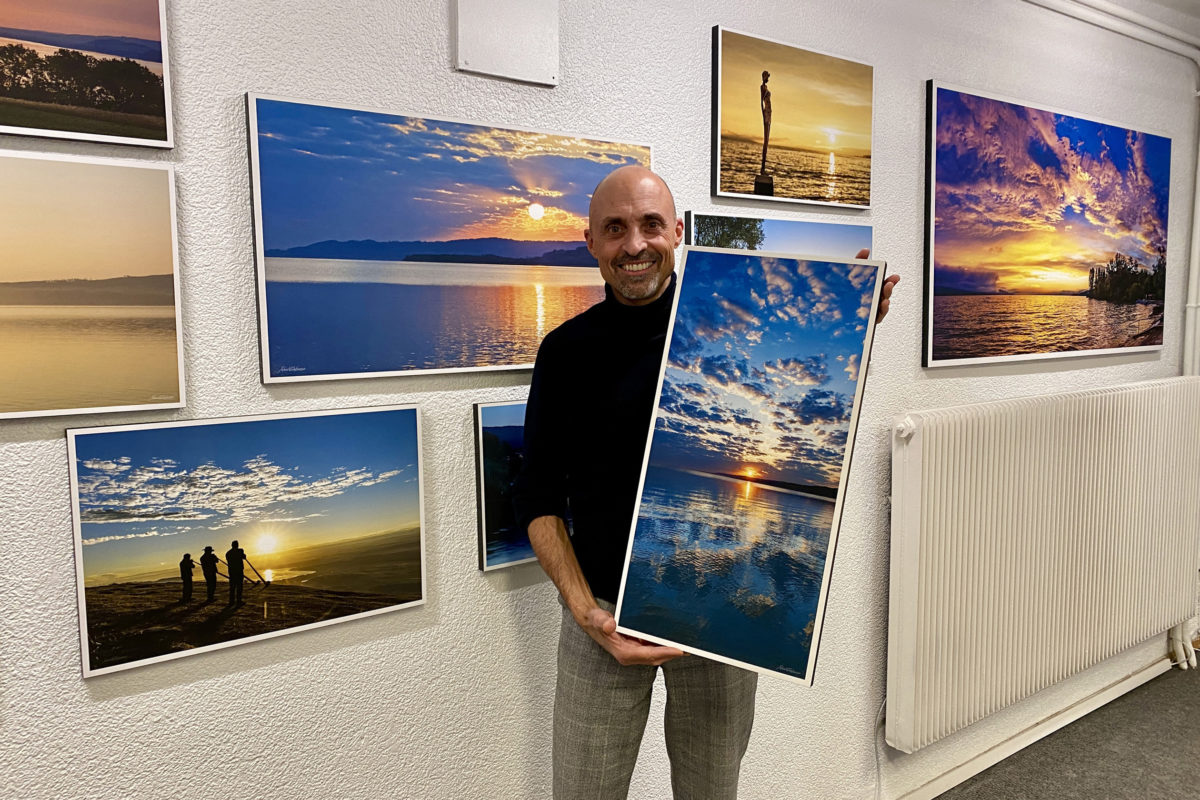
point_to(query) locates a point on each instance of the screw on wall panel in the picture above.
(905, 428)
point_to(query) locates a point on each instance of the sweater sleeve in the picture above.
(541, 487)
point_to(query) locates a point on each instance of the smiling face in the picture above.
(633, 232)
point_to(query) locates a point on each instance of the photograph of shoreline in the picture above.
(796, 119)
(1047, 235)
(94, 70)
(88, 314)
(741, 491)
(392, 244)
(797, 237)
(321, 514)
(499, 456)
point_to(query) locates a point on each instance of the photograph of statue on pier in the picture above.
(742, 485)
(193, 536)
(789, 124)
(1047, 233)
(391, 244)
(85, 69)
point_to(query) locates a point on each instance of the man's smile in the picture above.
(636, 266)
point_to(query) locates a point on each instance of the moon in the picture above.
(537, 210)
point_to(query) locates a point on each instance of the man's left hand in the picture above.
(885, 296)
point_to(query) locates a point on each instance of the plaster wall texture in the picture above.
(453, 699)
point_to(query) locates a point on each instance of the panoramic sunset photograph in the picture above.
(325, 509)
(751, 433)
(1049, 232)
(87, 69)
(818, 106)
(394, 244)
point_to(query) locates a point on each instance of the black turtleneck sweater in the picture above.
(590, 406)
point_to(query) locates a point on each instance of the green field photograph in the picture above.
(85, 69)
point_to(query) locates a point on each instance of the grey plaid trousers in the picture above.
(600, 711)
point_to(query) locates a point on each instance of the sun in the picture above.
(750, 472)
(537, 210)
(266, 543)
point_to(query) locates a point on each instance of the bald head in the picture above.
(633, 231)
(624, 181)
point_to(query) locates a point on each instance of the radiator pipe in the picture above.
(1112, 17)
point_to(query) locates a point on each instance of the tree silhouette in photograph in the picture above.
(735, 233)
(71, 78)
(1125, 280)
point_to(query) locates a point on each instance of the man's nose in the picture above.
(634, 243)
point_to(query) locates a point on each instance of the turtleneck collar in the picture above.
(661, 306)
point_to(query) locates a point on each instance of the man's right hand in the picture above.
(627, 650)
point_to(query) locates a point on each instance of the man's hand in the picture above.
(888, 284)
(600, 625)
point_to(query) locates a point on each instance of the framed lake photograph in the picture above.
(89, 286)
(499, 456)
(833, 239)
(743, 481)
(789, 124)
(198, 535)
(391, 244)
(1046, 233)
(94, 70)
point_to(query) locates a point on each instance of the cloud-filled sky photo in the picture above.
(763, 366)
(136, 18)
(1027, 201)
(818, 102)
(68, 219)
(343, 174)
(148, 496)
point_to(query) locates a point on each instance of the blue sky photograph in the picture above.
(329, 173)
(148, 496)
(763, 366)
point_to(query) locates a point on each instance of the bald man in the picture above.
(589, 412)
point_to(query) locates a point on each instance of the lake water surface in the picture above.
(976, 326)
(798, 175)
(328, 317)
(730, 567)
(60, 357)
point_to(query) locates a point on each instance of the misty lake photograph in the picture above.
(88, 311)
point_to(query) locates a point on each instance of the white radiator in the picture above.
(1031, 539)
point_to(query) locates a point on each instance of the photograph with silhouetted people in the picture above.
(186, 566)
(234, 557)
(208, 566)
(310, 557)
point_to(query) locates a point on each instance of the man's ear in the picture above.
(679, 230)
(587, 239)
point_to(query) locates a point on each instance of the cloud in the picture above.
(209, 492)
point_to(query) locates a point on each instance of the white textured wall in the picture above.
(452, 700)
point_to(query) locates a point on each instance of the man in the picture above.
(589, 411)
(234, 557)
(186, 566)
(208, 566)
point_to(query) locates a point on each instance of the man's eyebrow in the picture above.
(604, 223)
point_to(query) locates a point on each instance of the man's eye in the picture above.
(614, 228)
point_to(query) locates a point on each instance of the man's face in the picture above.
(633, 232)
